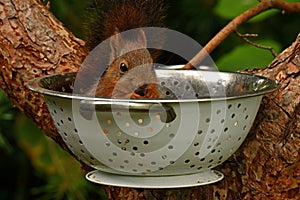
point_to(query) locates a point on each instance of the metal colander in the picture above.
(201, 120)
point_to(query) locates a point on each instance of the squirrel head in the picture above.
(130, 73)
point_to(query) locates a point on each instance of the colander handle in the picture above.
(87, 107)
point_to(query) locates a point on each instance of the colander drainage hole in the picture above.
(146, 142)
(69, 119)
(140, 121)
(187, 161)
(236, 123)
(153, 163)
(135, 148)
(142, 155)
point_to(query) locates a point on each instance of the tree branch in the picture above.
(34, 43)
(264, 5)
(245, 38)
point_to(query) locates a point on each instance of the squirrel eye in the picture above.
(123, 67)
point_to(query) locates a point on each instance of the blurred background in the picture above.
(34, 167)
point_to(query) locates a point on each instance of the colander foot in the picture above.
(176, 181)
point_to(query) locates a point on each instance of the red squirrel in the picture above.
(122, 78)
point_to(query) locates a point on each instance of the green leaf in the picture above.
(228, 10)
(4, 144)
(62, 172)
(247, 56)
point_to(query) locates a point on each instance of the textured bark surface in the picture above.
(33, 43)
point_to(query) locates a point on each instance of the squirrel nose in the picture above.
(142, 90)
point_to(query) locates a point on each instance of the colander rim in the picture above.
(35, 86)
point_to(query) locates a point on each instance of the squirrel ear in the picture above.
(116, 44)
(142, 40)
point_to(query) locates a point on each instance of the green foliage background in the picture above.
(34, 167)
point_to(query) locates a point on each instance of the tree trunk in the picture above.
(34, 43)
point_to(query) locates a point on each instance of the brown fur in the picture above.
(118, 16)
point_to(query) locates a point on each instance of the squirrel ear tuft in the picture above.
(116, 44)
(142, 40)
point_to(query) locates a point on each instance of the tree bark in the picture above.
(34, 43)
